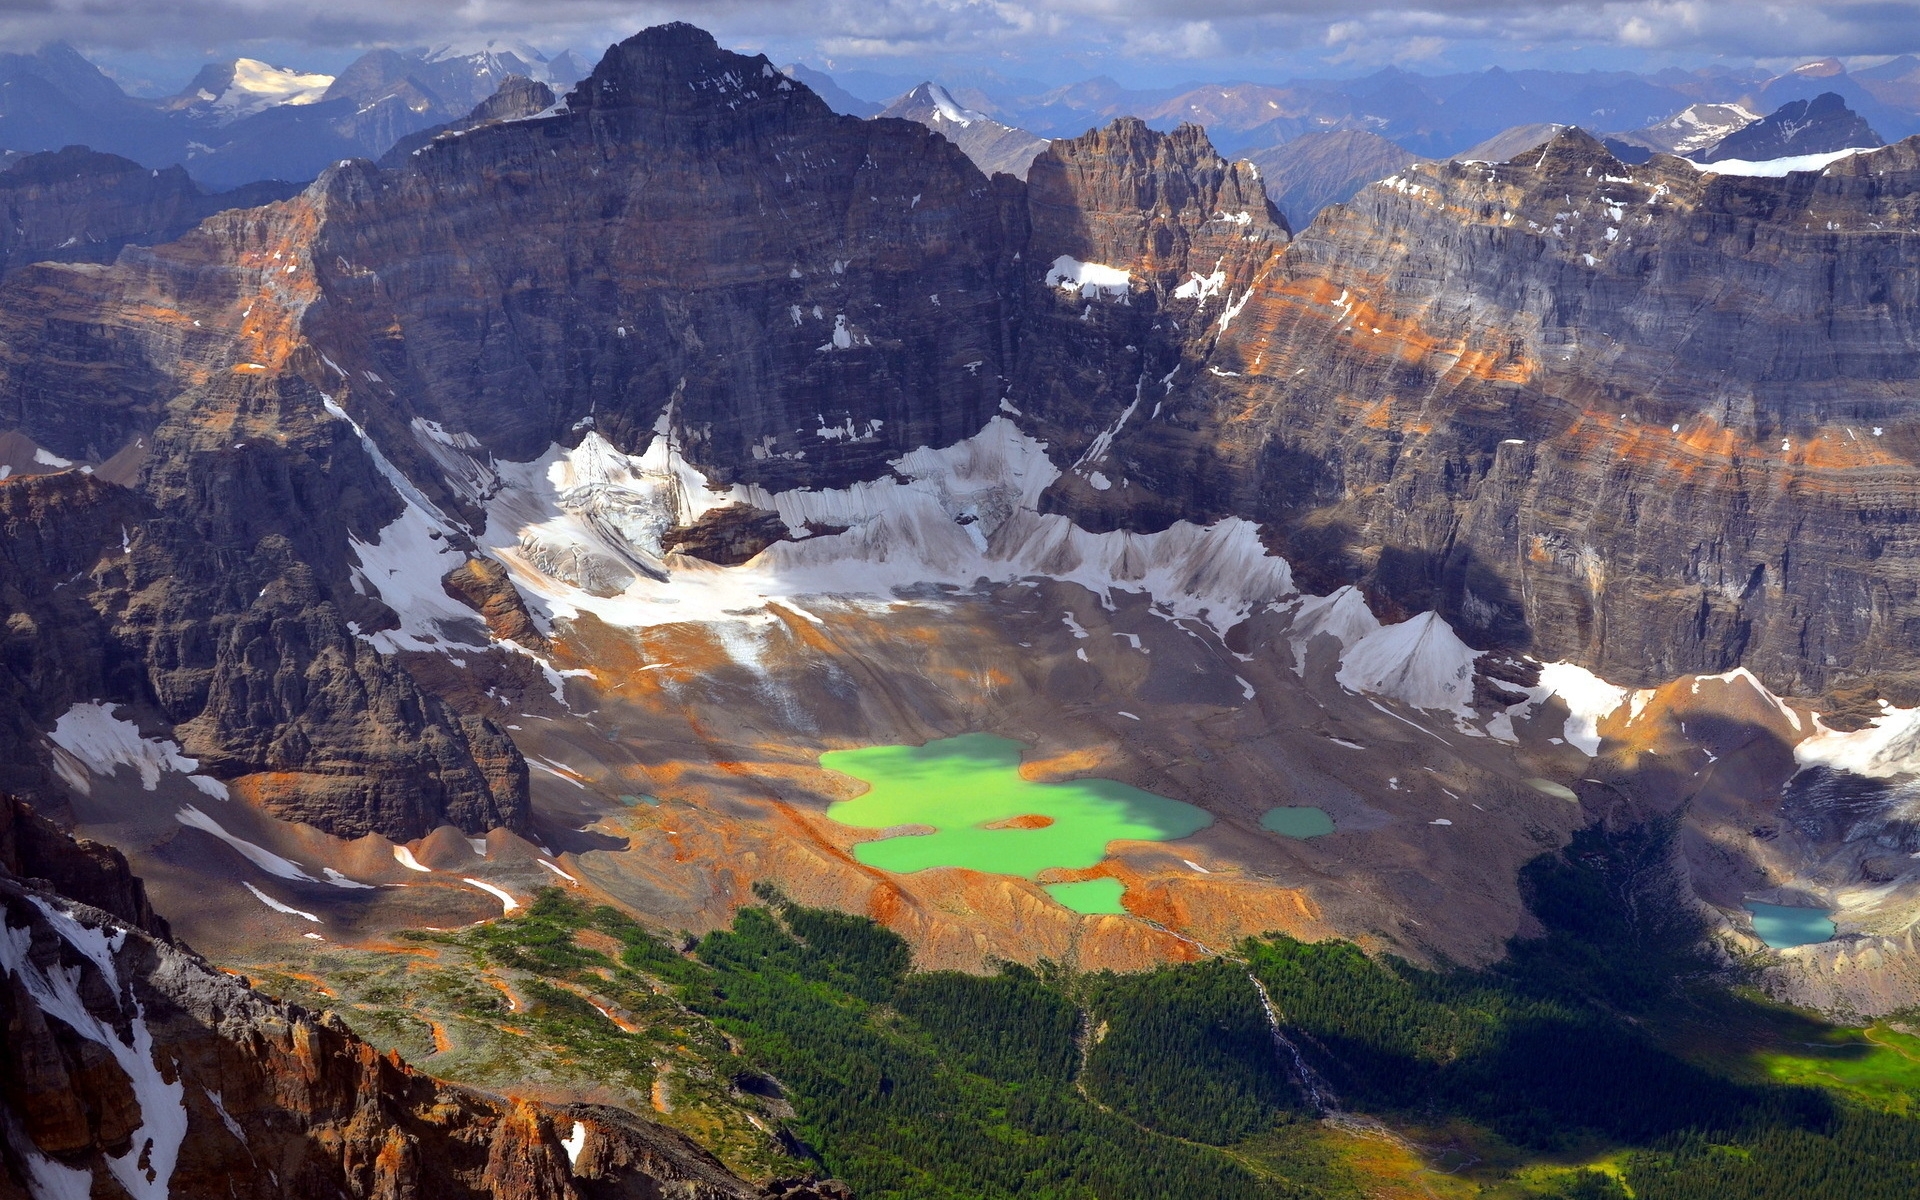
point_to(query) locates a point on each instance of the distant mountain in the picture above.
(1799, 127)
(1811, 80)
(518, 97)
(1694, 128)
(246, 120)
(1503, 146)
(838, 98)
(1314, 170)
(991, 145)
(245, 86)
(77, 205)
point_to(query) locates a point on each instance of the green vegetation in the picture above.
(970, 791)
(1603, 1060)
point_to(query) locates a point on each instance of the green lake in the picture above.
(1297, 822)
(1780, 926)
(985, 817)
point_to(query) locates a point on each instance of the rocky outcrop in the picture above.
(130, 1066)
(482, 585)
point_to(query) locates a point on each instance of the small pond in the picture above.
(1780, 926)
(1303, 822)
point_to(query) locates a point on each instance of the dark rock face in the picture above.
(775, 272)
(221, 600)
(1192, 230)
(1797, 127)
(120, 1042)
(1548, 399)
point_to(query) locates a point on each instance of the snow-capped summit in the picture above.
(991, 145)
(245, 86)
(1696, 127)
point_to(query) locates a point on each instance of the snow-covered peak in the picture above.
(950, 109)
(258, 86)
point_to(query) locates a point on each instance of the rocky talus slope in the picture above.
(130, 1067)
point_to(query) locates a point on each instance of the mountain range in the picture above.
(444, 586)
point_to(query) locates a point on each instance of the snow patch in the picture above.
(507, 902)
(102, 742)
(960, 514)
(1342, 615)
(259, 856)
(1089, 279)
(575, 1142)
(405, 858)
(258, 86)
(1777, 168)
(1888, 747)
(1200, 287)
(278, 907)
(1589, 700)
(951, 109)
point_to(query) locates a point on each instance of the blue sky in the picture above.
(1141, 42)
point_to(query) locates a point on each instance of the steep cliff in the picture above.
(1649, 419)
(214, 585)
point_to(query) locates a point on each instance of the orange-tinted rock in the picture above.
(482, 584)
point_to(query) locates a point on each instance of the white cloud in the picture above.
(1188, 40)
(1037, 31)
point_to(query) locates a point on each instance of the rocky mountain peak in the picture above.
(679, 68)
(1161, 204)
(1798, 127)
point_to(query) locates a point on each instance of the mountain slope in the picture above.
(581, 480)
(133, 1066)
(993, 147)
(1798, 127)
(1317, 169)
